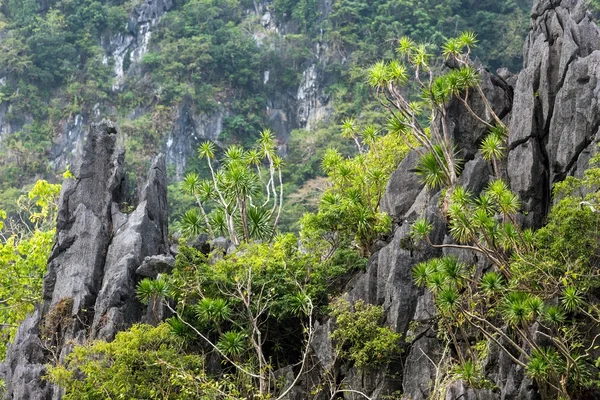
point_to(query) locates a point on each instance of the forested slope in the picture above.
(173, 73)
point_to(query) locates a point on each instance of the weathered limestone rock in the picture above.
(555, 117)
(141, 234)
(388, 279)
(154, 265)
(402, 188)
(89, 289)
(554, 121)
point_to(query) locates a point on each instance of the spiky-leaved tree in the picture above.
(534, 297)
(424, 122)
(244, 192)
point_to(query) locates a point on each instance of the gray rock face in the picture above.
(388, 279)
(555, 118)
(468, 132)
(402, 188)
(89, 289)
(552, 110)
(154, 265)
(124, 51)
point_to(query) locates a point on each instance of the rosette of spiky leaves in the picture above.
(232, 343)
(432, 168)
(554, 316)
(191, 183)
(454, 271)
(421, 228)
(422, 271)
(493, 146)
(519, 308)
(571, 299)
(240, 181)
(492, 283)
(460, 223)
(470, 372)
(384, 73)
(234, 154)
(218, 222)
(179, 328)
(451, 84)
(454, 48)
(213, 310)
(149, 289)
(506, 201)
(448, 300)
(191, 223)
(545, 364)
(259, 223)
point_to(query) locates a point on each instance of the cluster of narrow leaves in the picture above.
(349, 211)
(485, 223)
(423, 122)
(544, 279)
(439, 162)
(248, 307)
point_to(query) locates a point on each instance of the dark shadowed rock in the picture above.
(403, 187)
(201, 243)
(461, 390)
(468, 131)
(420, 367)
(476, 175)
(220, 243)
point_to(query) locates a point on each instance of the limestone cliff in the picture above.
(89, 289)
(551, 108)
(304, 108)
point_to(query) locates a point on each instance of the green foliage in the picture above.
(278, 267)
(232, 343)
(23, 255)
(247, 190)
(23, 154)
(546, 278)
(232, 304)
(212, 56)
(359, 336)
(471, 373)
(144, 362)
(349, 209)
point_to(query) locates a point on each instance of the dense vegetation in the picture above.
(254, 308)
(212, 56)
(24, 249)
(240, 316)
(230, 305)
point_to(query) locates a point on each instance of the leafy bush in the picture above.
(144, 362)
(24, 251)
(359, 336)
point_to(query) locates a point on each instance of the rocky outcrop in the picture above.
(127, 49)
(552, 110)
(554, 126)
(89, 289)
